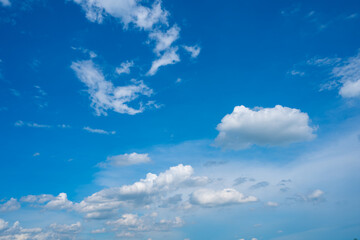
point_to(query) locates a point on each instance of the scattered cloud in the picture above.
(260, 185)
(10, 205)
(54, 231)
(169, 57)
(263, 126)
(212, 198)
(29, 124)
(36, 154)
(164, 40)
(126, 159)
(124, 67)
(104, 95)
(99, 131)
(193, 50)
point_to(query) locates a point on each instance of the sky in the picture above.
(181, 120)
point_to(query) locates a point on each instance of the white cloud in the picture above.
(169, 57)
(348, 74)
(124, 67)
(212, 198)
(127, 159)
(104, 95)
(128, 11)
(106, 202)
(272, 204)
(263, 126)
(5, 3)
(59, 202)
(99, 131)
(100, 230)
(315, 195)
(164, 40)
(54, 231)
(29, 124)
(193, 50)
(350, 89)
(10, 205)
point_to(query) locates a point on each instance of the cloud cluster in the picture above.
(104, 95)
(263, 126)
(211, 198)
(53, 231)
(152, 19)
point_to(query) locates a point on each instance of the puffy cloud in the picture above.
(193, 50)
(106, 202)
(349, 74)
(5, 3)
(169, 57)
(263, 126)
(54, 231)
(59, 202)
(49, 201)
(124, 67)
(3, 224)
(104, 95)
(10, 205)
(212, 198)
(127, 159)
(350, 89)
(99, 131)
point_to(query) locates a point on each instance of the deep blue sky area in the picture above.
(258, 100)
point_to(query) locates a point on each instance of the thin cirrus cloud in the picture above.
(124, 67)
(99, 131)
(280, 125)
(104, 95)
(126, 159)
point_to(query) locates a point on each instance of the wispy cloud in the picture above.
(104, 95)
(99, 131)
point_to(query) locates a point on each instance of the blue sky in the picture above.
(129, 119)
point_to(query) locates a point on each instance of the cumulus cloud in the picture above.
(212, 198)
(99, 131)
(124, 67)
(54, 231)
(169, 57)
(193, 50)
(104, 95)
(263, 126)
(10, 205)
(106, 202)
(348, 73)
(127, 159)
(49, 201)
